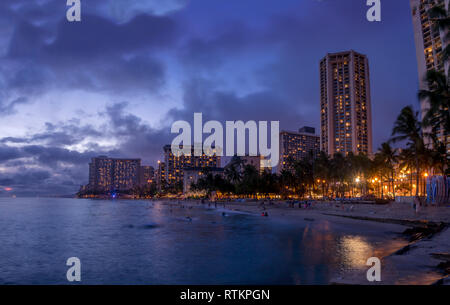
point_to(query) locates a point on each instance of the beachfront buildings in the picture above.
(345, 104)
(160, 175)
(193, 174)
(109, 175)
(147, 175)
(430, 43)
(174, 165)
(297, 145)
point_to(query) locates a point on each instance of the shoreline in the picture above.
(427, 237)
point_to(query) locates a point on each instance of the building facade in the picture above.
(160, 175)
(147, 175)
(430, 43)
(345, 104)
(113, 175)
(297, 145)
(175, 165)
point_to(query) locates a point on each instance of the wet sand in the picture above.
(415, 264)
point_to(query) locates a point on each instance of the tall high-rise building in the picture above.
(174, 165)
(113, 175)
(297, 145)
(160, 175)
(346, 117)
(430, 43)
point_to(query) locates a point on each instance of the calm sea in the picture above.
(142, 242)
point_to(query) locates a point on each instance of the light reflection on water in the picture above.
(140, 242)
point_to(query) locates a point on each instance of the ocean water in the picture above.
(144, 242)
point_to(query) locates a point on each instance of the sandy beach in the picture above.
(413, 261)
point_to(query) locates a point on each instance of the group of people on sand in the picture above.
(301, 204)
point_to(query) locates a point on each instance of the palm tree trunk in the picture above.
(410, 183)
(393, 184)
(417, 176)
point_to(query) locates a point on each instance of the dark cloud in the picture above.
(98, 37)
(96, 55)
(8, 153)
(203, 96)
(58, 135)
(136, 137)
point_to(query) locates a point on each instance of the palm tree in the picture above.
(438, 157)
(268, 183)
(250, 179)
(408, 128)
(233, 171)
(322, 171)
(389, 157)
(438, 98)
(304, 173)
(287, 181)
(406, 162)
(339, 170)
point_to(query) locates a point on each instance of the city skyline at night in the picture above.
(113, 83)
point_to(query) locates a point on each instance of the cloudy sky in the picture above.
(113, 83)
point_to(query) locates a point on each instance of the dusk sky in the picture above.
(113, 83)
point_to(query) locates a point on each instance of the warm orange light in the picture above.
(8, 189)
(425, 175)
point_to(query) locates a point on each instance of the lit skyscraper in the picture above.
(295, 146)
(346, 118)
(174, 165)
(430, 43)
(113, 175)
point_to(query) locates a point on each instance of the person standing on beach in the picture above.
(416, 204)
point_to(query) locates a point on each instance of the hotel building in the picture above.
(174, 165)
(346, 118)
(147, 175)
(297, 145)
(113, 175)
(430, 43)
(161, 176)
